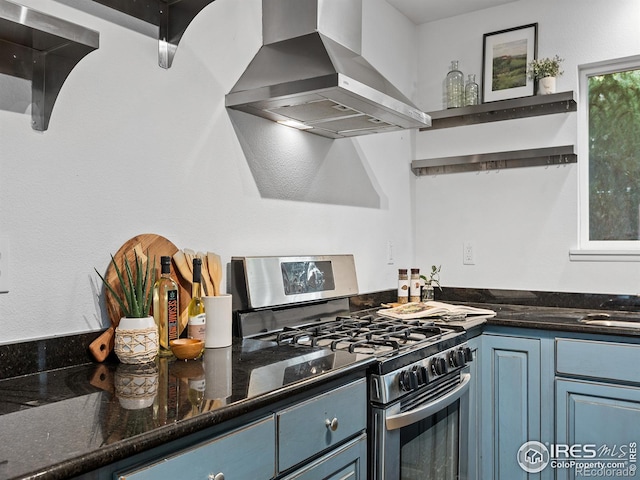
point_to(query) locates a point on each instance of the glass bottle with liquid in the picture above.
(197, 321)
(166, 306)
(455, 86)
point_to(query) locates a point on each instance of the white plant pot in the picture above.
(546, 85)
(136, 385)
(136, 340)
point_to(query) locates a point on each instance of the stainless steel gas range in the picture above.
(418, 383)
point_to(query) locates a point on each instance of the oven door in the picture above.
(425, 436)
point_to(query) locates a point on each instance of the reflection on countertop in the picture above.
(68, 421)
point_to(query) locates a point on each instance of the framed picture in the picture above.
(505, 58)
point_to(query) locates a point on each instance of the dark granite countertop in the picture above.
(66, 422)
(62, 415)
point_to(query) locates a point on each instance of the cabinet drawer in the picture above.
(227, 454)
(601, 360)
(346, 462)
(303, 430)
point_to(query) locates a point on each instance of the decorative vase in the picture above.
(427, 293)
(546, 85)
(471, 91)
(455, 86)
(136, 340)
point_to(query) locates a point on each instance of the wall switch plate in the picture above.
(468, 253)
(4, 264)
(390, 260)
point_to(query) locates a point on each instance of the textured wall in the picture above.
(523, 221)
(133, 148)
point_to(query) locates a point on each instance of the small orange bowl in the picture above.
(186, 348)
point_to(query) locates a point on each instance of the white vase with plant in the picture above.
(136, 336)
(545, 71)
(433, 279)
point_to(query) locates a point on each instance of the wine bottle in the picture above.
(166, 306)
(197, 321)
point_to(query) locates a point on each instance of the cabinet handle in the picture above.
(332, 424)
(216, 476)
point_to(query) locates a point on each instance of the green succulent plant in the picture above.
(136, 284)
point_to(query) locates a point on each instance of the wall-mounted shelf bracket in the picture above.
(533, 106)
(496, 161)
(172, 17)
(43, 49)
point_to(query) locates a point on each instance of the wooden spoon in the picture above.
(215, 271)
(207, 284)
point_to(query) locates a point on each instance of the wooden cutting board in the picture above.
(150, 245)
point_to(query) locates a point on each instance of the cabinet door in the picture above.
(346, 463)
(247, 453)
(510, 396)
(607, 416)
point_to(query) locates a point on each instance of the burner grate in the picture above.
(363, 334)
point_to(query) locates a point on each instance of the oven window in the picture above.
(429, 449)
(307, 277)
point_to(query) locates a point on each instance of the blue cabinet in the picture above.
(226, 455)
(597, 407)
(347, 462)
(516, 373)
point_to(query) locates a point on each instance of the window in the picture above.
(610, 159)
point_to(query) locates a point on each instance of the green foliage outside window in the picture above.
(614, 156)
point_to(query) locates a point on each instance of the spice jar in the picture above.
(403, 286)
(414, 286)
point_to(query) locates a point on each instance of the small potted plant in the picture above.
(434, 279)
(545, 71)
(136, 336)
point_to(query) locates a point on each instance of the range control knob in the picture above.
(423, 375)
(468, 354)
(408, 380)
(413, 378)
(439, 366)
(457, 358)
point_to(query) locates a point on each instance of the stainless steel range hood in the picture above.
(309, 71)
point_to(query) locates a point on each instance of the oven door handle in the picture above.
(400, 420)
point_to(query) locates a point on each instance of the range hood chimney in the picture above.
(309, 73)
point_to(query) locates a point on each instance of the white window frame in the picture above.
(597, 250)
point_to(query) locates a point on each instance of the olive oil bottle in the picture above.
(166, 307)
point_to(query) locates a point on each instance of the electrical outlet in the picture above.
(468, 253)
(390, 259)
(4, 265)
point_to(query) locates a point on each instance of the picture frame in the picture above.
(505, 57)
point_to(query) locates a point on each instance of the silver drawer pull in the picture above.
(332, 424)
(216, 476)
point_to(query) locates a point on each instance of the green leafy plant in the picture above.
(434, 276)
(545, 67)
(136, 285)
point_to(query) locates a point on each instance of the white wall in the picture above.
(132, 148)
(523, 221)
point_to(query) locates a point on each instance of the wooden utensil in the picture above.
(149, 245)
(207, 284)
(215, 271)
